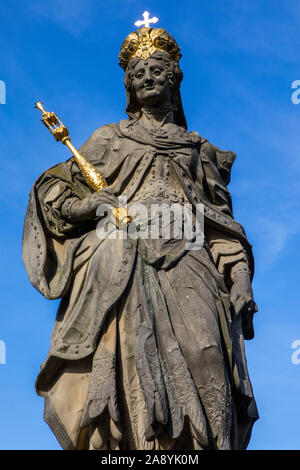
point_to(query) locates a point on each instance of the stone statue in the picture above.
(147, 350)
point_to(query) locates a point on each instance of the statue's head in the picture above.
(150, 59)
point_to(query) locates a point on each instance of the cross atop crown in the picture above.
(147, 20)
(145, 41)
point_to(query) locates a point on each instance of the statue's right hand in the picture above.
(86, 208)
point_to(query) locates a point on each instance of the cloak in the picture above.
(98, 278)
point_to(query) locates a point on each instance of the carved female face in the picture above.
(151, 83)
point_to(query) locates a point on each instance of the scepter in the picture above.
(90, 173)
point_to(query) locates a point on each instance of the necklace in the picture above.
(154, 131)
(161, 115)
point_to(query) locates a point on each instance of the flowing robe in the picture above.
(147, 351)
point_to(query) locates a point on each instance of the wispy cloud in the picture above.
(73, 16)
(274, 236)
(251, 28)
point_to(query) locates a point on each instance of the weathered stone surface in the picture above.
(147, 350)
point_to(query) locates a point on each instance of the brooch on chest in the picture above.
(158, 133)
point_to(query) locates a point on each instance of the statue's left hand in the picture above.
(241, 296)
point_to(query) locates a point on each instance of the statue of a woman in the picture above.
(147, 350)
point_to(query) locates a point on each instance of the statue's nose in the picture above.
(148, 76)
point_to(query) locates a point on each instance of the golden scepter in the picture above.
(90, 173)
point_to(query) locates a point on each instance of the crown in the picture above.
(144, 42)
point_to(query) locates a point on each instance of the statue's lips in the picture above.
(149, 87)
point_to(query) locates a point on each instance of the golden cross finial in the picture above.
(147, 20)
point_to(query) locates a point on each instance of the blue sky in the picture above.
(239, 61)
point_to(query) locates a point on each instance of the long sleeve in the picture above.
(49, 241)
(228, 254)
(55, 197)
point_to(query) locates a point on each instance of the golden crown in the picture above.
(144, 42)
